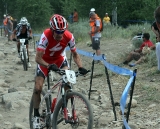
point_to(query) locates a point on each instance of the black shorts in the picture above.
(23, 37)
(95, 43)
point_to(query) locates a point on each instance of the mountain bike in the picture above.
(69, 109)
(24, 54)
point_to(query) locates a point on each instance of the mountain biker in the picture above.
(50, 55)
(23, 30)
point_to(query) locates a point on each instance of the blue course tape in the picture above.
(118, 70)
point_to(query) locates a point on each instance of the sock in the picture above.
(36, 112)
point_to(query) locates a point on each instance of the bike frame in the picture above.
(61, 94)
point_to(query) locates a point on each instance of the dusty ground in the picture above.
(144, 116)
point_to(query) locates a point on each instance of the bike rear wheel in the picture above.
(25, 61)
(79, 113)
(46, 107)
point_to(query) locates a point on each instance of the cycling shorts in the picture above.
(43, 71)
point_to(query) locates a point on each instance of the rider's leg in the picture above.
(18, 47)
(36, 94)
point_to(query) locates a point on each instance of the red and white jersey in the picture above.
(54, 51)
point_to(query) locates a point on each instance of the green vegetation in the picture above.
(38, 12)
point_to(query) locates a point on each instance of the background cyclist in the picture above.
(51, 55)
(23, 30)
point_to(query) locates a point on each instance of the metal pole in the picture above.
(131, 95)
(91, 78)
(111, 95)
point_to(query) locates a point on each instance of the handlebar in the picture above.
(62, 72)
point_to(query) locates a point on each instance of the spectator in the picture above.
(137, 53)
(156, 30)
(5, 25)
(95, 33)
(75, 16)
(71, 18)
(9, 27)
(91, 23)
(106, 19)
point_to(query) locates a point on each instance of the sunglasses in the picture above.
(59, 32)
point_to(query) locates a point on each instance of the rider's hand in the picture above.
(29, 37)
(53, 67)
(14, 39)
(82, 71)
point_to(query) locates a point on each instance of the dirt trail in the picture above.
(144, 116)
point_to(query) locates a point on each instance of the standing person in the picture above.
(5, 25)
(51, 55)
(137, 53)
(156, 30)
(23, 30)
(9, 27)
(106, 19)
(95, 33)
(91, 23)
(75, 16)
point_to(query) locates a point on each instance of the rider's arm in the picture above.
(77, 59)
(30, 33)
(40, 60)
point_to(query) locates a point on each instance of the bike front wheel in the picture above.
(79, 113)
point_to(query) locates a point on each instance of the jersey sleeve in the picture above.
(42, 43)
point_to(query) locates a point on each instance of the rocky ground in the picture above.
(16, 88)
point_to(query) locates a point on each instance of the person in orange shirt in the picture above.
(75, 16)
(5, 25)
(95, 33)
(91, 23)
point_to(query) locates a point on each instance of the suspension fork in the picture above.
(64, 103)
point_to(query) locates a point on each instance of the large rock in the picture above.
(16, 99)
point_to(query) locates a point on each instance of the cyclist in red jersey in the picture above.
(51, 55)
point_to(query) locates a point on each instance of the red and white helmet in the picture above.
(58, 22)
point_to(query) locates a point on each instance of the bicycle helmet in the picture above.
(24, 21)
(58, 22)
(92, 10)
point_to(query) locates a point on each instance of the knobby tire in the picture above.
(86, 110)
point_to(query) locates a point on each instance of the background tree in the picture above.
(38, 12)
